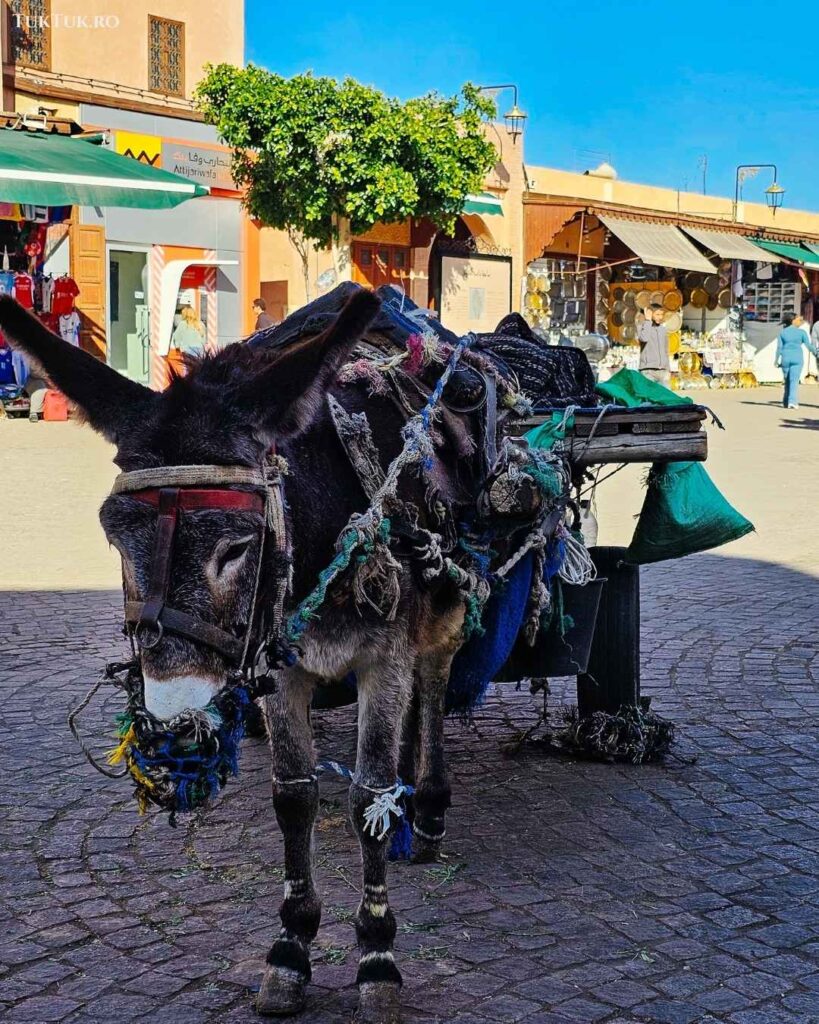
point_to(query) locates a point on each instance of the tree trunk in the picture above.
(342, 249)
(299, 243)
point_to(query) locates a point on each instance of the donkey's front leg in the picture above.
(384, 689)
(295, 800)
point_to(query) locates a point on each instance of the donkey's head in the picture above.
(229, 411)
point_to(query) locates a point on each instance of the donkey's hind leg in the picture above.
(384, 690)
(295, 800)
(432, 793)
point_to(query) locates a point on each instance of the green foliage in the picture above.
(312, 151)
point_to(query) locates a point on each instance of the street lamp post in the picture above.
(514, 117)
(774, 193)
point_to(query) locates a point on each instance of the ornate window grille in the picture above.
(166, 56)
(30, 33)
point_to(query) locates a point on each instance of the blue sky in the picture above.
(652, 87)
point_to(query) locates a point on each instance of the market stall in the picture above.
(725, 296)
(43, 176)
(34, 271)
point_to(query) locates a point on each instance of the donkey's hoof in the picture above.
(379, 1002)
(424, 852)
(426, 842)
(281, 992)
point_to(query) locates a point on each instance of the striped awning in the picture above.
(483, 203)
(660, 245)
(726, 245)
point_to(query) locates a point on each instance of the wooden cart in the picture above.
(646, 434)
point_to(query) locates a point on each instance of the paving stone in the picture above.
(42, 1010)
(661, 1011)
(722, 1000)
(506, 1008)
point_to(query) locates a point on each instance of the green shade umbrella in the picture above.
(55, 170)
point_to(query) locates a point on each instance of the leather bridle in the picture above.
(175, 490)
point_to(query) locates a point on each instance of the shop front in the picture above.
(45, 255)
(724, 296)
(153, 265)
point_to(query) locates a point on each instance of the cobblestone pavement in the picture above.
(572, 892)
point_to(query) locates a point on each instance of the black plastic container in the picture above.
(555, 655)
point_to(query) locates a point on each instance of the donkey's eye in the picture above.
(230, 552)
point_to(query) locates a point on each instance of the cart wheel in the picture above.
(613, 676)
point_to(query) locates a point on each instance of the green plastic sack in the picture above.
(550, 431)
(631, 388)
(683, 512)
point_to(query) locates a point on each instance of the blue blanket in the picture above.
(480, 659)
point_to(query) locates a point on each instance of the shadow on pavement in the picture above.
(572, 891)
(805, 424)
(805, 405)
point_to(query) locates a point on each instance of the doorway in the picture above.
(129, 340)
(374, 265)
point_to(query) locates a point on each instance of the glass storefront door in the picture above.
(129, 343)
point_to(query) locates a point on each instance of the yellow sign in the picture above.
(145, 148)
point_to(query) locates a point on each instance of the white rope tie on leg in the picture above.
(378, 815)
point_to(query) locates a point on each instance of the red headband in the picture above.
(192, 500)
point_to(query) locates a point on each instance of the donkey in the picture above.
(230, 410)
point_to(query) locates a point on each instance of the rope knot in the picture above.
(378, 815)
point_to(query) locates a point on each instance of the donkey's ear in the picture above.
(106, 399)
(289, 393)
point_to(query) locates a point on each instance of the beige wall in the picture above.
(510, 173)
(24, 104)
(558, 184)
(279, 261)
(119, 52)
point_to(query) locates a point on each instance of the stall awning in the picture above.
(726, 245)
(790, 251)
(170, 282)
(54, 170)
(483, 203)
(661, 245)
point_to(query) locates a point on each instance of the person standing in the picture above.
(189, 334)
(263, 319)
(790, 359)
(655, 361)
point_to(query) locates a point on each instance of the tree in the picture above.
(325, 160)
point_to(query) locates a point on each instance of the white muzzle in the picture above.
(167, 698)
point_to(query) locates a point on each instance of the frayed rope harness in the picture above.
(368, 532)
(179, 764)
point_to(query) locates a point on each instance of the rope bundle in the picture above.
(181, 764)
(368, 532)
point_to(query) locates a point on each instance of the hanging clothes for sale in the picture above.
(46, 289)
(24, 289)
(6, 282)
(70, 327)
(63, 295)
(7, 375)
